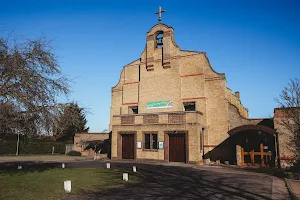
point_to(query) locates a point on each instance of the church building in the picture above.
(170, 105)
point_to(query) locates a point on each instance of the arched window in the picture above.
(159, 39)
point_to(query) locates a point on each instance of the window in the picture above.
(151, 141)
(159, 40)
(133, 110)
(189, 106)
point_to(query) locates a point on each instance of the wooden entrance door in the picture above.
(177, 151)
(128, 146)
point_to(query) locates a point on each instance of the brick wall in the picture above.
(188, 77)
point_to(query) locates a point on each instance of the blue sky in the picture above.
(255, 43)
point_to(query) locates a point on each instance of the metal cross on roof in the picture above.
(160, 11)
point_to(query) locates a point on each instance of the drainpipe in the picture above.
(202, 142)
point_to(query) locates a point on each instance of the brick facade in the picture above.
(178, 76)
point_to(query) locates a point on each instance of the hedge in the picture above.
(31, 147)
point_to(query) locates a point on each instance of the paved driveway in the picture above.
(190, 182)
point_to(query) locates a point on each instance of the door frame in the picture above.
(166, 145)
(119, 143)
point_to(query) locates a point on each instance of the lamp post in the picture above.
(17, 153)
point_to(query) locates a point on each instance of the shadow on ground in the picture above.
(170, 182)
(12, 167)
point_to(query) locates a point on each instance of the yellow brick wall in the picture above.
(190, 78)
(217, 111)
(130, 93)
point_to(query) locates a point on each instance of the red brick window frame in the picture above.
(150, 141)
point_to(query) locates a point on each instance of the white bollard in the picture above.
(134, 168)
(125, 176)
(63, 165)
(107, 165)
(19, 167)
(67, 186)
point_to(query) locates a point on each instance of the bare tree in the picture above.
(289, 100)
(30, 82)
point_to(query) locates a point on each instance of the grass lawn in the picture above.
(49, 183)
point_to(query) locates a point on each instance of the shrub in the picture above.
(74, 153)
(296, 166)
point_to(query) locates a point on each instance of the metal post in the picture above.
(17, 153)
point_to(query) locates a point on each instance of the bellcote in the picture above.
(160, 45)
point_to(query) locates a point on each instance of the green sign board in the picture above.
(160, 104)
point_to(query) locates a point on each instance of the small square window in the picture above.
(133, 110)
(189, 106)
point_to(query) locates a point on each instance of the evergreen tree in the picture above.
(71, 120)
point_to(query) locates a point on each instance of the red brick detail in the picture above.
(150, 119)
(193, 98)
(191, 75)
(287, 158)
(176, 118)
(150, 67)
(281, 115)
(129, 103)
(210, 145)
(127, 120)
(130, 83)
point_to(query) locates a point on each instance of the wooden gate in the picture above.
(177, 151)
(128, 146)
(253, 158)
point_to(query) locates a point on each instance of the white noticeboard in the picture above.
(139, 145)
(160, 145)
